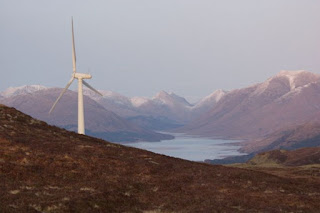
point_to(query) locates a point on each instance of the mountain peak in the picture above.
(170, 98)
(161, 94)
(216, 96)
(296, 73)
(210, 100)
(293, 73)
(25, 89)
(298, 78)
(286, 81)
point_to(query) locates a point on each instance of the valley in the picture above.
(280, 113)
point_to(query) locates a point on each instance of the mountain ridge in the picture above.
(260, 109)
(99, 121)
(283, 100)
(167, 109)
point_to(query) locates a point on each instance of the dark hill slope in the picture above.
(301, 164)
(48, 169)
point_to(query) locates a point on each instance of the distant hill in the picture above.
(47, 169)
(289, 98)
(292, 138)
(99, 121)
(299, 136)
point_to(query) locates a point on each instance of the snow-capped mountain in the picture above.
(170, 99)
(115, 102)
(162, 111)
(169, 107)
(166, 110)
(162, 104)
(208, 102)
(284, 82)
(288, 98)
(22, 90)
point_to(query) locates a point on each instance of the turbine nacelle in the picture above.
(81, 75)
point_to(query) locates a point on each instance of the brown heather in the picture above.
(48, 169)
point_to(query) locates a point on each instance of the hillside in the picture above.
(301, 164)
(99, 122)
(294, 137)
(286, 99)
(48, 169)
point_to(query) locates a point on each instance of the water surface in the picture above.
(192, 148)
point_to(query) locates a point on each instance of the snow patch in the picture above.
(295, 79)
(211, 99)
(294, 92)
(26, 89)
(170, 99)
(291, 75)
(139, 101)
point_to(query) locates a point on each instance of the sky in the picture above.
(139, 47)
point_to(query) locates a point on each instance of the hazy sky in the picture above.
(139, 47)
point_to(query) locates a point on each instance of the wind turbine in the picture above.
(80, 77)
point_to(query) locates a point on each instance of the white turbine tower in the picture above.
(80, 77)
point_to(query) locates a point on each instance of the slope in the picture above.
(299, 157)
(294, 137)
(48, 169)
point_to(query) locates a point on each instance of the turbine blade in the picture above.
(90, 87)
(61, 94)
(73, 49)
